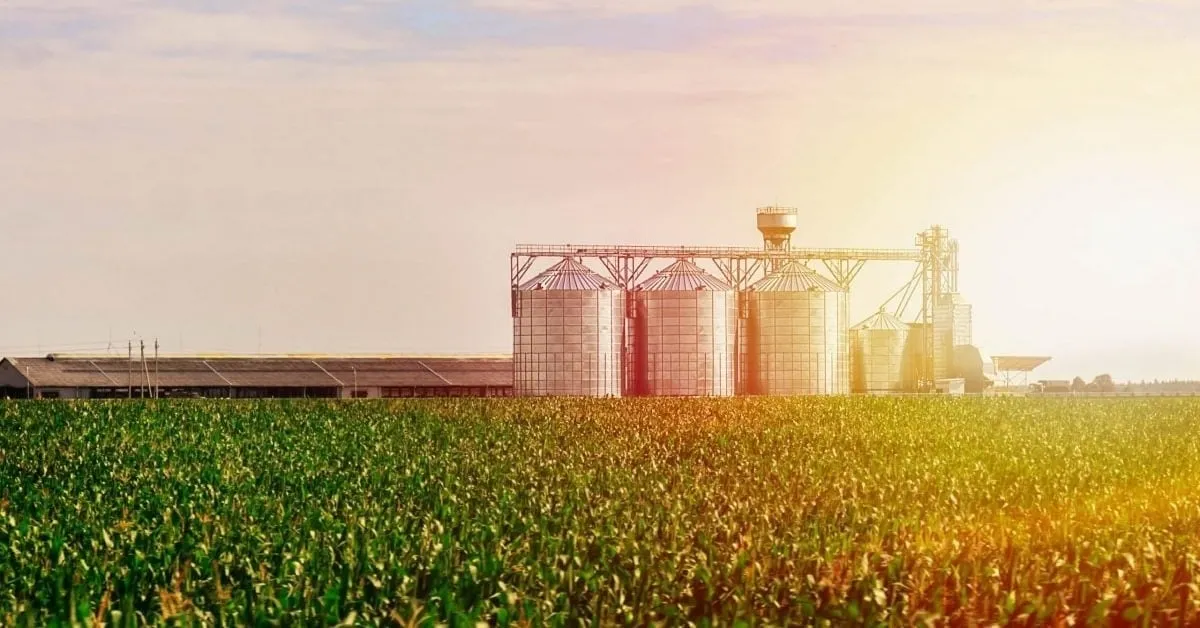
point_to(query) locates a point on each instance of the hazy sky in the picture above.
(351, 176)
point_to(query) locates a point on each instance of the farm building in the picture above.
(107, 377)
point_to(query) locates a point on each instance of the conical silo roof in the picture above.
(683, 275)
(882, 320)
(568, 275)
(795, 277)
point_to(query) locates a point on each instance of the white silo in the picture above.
(879, 360)
(568, 333)
(685, 334)
(798, 334)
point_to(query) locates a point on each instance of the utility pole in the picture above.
(156, 368)
(145, 372)
(131, 369)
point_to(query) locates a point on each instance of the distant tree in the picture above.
(1104, 383)
(1078, 385)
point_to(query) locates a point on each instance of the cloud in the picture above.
(162, 31)
(32, 31)
(370, 31)
(144, 126)
(888, 13)
(814, 8)
(769, 30)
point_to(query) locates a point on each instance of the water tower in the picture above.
(777, 225)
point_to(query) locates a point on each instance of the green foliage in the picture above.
(880, 512)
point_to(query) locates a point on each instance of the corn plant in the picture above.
(810, 511)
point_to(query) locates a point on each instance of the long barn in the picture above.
(292, 376)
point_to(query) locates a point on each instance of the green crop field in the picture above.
(521, 512)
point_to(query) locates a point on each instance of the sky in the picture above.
(316, 176)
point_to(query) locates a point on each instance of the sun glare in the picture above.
(1083, 213)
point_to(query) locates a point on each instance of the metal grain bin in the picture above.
(878, 363)
(915, 354)
(951, 328)
(797, 334)
(685, 333)
(568, 331)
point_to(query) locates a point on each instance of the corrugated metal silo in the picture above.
(568, 332)
(878, 361)
(915, 354)
(686, 333)
(798, 334)
(951, 328)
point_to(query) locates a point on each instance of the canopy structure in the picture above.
(1015, 369)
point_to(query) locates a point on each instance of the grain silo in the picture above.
(797, 334)
(568, 332)
(951, 328)
(915, 354)
(878, 359)
(685, 333)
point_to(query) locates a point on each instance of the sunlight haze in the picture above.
(351, 176)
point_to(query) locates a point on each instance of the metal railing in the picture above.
(774, 210)
(710, 252)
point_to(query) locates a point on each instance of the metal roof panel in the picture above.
(794, 276)
(247, 372)
(683, 275)
(882, 320)
(568, 274)
(1018, 363)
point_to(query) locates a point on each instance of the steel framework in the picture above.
(936, 258)
(1014, 369)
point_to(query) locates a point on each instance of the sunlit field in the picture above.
(515, 512)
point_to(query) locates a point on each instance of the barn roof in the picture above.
(309, 371)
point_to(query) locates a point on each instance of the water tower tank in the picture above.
(568, 332)
(798, 334)
(776, 225)
(686, 330)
